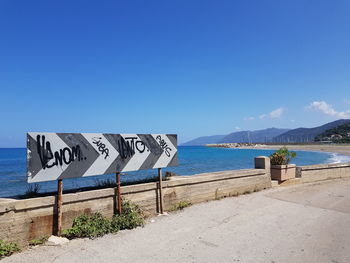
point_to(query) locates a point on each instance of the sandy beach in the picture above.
(341, 149)
(333, 148)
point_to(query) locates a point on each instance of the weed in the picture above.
(8, 248)
(40, 241)
(170, 174)
(92, 226)
(217, 197)
(106, 183)
(146, 180)
(32, 191)
(181, 205)
(97, 225)
(131, 217)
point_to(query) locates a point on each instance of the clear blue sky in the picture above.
(188, 67)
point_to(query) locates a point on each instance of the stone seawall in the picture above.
(319, 172)
(24, 220)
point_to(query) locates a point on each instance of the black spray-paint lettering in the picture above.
(127, 146)
(164, 145)
(101, 146)
(65, 155)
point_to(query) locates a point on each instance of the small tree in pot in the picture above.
(280, 168)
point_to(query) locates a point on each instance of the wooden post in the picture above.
(119, 194)
(160, 191)
(59, 206)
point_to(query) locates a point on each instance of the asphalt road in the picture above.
(304, 223)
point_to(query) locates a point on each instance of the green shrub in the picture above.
(181, 205)
(131, 217)
(8, 248)
(97, 225)
(277, 159)
(282, 157)
(40, 241)
(92, 226)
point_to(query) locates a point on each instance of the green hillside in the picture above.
(339, 134)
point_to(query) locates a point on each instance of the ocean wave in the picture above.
(338, 158)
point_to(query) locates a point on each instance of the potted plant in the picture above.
(281, 170)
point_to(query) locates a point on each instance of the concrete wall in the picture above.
(319, 172)
(24, 220)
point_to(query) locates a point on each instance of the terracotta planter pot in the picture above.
(283, 172)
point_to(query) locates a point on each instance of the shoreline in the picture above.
(343, 149)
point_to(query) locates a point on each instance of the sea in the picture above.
(192, 160)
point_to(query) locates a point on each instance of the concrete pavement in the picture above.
(302, 223)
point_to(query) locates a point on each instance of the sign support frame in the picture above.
(59, 206)
(119, 194)
(160, 189)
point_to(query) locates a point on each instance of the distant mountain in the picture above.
(259, 136)
(274, 135)
(338, 134)
(302, 135)
(204, 140)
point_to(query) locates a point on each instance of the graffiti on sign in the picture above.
(65, 155)
(101, 146)
(128, 145)
(164, 145)
(52, 156)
